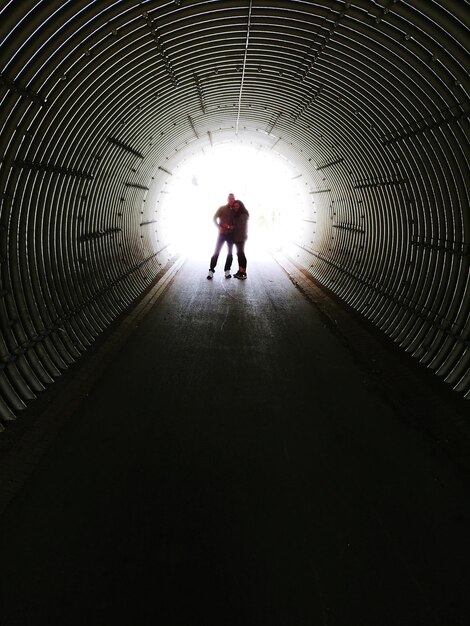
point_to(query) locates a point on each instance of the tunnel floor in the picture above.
(238, 462)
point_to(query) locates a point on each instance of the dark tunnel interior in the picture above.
(101, 101)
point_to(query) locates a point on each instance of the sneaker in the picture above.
(210, 274)
(228, 274)
(240, 275)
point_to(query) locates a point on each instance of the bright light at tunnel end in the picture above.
(267, 184)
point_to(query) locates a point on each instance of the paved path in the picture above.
(235, 466)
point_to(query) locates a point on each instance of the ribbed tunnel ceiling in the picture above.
(101, 100)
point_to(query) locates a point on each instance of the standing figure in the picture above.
(223, 219)
(240, 235)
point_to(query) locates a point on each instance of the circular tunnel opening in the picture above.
(104, 106)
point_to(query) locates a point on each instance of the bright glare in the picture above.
(268, 186)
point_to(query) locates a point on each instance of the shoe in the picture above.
(228, 274)
(240, 275)
(210, 274)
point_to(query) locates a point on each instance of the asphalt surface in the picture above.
(234, 465)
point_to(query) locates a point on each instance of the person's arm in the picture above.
(223, 228)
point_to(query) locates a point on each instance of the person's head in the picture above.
(231, 199)
(239, 206)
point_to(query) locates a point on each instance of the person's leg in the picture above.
(240, 245)
(214, 258)
(229, 259)
(218, 247)
(241, 256)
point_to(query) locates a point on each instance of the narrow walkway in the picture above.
(235, 466)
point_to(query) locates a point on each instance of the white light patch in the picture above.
(268, 185)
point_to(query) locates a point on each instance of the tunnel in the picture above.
(101, 101)
(365, 104)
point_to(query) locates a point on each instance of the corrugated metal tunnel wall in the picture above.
(100, 99)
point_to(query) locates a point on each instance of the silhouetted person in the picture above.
(223, 219)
